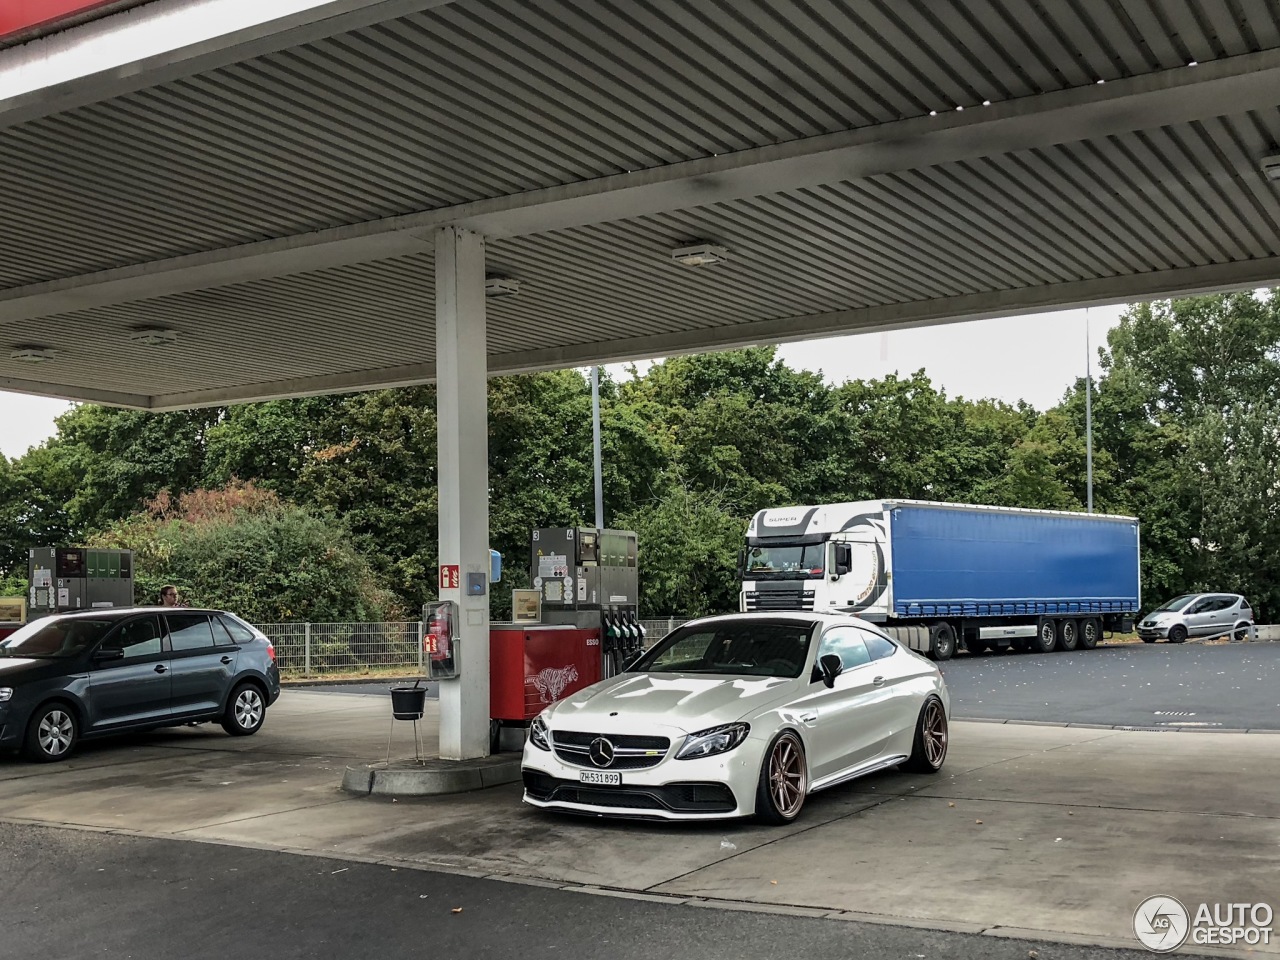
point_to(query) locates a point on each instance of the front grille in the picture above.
(676, 797)
(779, 600)
(630, 752)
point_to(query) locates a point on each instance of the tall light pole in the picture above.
(1088, 407)
(595, 446)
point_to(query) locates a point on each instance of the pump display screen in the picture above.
(782, 561)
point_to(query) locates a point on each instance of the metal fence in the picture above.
(312, 649)
(317, 649)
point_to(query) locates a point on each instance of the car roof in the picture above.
(119, 613)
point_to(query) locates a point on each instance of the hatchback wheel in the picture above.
(784, 780)
(1177, 633)
(246, 711)
(51, 734)
(1242, 632)
(929, 749)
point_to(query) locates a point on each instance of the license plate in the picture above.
(601, 777)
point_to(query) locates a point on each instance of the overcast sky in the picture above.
(1019, 358)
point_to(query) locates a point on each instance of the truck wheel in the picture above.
(1090, 633)
(942, 641)
(1068, 637)
(1047, 638)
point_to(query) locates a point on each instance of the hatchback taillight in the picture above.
(271, 651)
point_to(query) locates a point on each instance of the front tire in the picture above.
(784, 780)
(929, 749)
(51, 734)
(246, 711)
(942, 641)
(1178, 634)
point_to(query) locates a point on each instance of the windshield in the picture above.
(1177, 603)
(735, 648)
(790, 561)
(47, 639)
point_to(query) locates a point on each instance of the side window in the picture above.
(877, 646)
(847, 642)
(1200, 606)
(1222, 603)
(238, 631)
(136, 638)
(189, 631)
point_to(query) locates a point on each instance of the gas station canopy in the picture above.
(212, 201)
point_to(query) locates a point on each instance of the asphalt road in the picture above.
(1195, 686)
(1232, 686)
(74, 894)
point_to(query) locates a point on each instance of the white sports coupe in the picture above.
(739, 715)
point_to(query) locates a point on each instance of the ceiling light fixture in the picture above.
(501, 287)
(29, 353)
(154, 336)
(700, 254)
(1271, 167)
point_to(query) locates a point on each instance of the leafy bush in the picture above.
(244, 549)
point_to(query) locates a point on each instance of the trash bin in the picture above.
(408, 703)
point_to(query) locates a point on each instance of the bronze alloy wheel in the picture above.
(788, 780)
(934, 730)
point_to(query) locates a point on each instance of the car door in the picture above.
(201, 668)
(839, 720)
(1198, 617)
(1224, 613)
(129, 683)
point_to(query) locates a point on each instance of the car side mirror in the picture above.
(830, 666)
(107, 654)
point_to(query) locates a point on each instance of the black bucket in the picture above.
(408, 703)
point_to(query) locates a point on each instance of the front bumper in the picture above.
(1160, 632)
(710, 788)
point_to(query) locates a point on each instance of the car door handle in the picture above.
(161, 668)
(878, 682)
(228, 660)
(808, 717)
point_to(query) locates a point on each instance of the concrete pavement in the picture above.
(1030, 831)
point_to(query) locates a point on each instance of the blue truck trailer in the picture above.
(944, 576)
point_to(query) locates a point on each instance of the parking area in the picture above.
(1038, 831)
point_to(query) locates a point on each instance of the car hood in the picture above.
(680, 701)
(14, 668)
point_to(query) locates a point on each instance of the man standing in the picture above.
(169, 596)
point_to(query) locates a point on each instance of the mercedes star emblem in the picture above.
(601, 751)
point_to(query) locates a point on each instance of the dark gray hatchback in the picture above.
(102, 672)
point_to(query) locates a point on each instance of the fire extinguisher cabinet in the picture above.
(532, 666)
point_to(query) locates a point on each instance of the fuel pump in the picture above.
(588, 578)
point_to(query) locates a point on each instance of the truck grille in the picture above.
(779, 600)
(629, 752)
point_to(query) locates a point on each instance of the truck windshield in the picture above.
(786, 561)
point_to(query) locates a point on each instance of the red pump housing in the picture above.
(530, 667)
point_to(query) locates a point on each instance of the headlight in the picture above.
(707, 743)
(6, 693)
(539, 735)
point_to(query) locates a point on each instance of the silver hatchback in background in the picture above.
(1198, 615)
